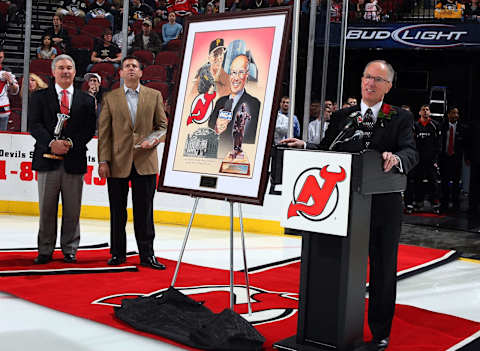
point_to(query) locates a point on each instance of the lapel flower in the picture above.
(385, 113)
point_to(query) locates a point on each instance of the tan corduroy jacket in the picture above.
(117, 136)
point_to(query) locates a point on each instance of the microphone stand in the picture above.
(340, 135)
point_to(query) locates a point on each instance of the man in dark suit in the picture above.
(129, 129)
(388, 130)
(454, 136)
(472, 156)
(61, 162)
(227, 107)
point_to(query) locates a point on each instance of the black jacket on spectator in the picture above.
(451, 166)
(105, 6)
(141, 12)
(154, 43)
(65, 46)
(428, 141)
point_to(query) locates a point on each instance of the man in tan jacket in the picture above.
(130, 125)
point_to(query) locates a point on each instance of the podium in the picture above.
(333, 268)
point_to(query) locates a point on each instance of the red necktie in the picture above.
(450, 142)
(64, 104)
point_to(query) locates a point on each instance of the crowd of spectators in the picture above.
(372, 11)
(156, 26)
(90, 31)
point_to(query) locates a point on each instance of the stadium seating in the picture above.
(71, 28)
(155, 73)
(104, 69)
(78, 21)
(168, 58)
(161, 87)
(4, 8)
(174, 45)
(101, 22)
(82, 41)
(41, 66)
(145, 56)
(92, 30)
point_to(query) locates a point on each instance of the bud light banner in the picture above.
(405, 36)
(316, 191)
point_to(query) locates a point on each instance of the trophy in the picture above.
(236, 162)
(57, 133)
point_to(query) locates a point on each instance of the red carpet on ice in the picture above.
(274, 293)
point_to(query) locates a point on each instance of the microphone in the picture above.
(358, 135)
(351, 122)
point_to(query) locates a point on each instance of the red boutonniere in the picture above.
(386, 112)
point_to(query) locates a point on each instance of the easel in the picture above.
(184, 244)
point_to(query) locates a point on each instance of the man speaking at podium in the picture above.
(389, 130)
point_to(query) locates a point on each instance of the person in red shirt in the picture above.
(182, 8)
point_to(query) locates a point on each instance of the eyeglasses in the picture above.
(376, 79)
(240, 73)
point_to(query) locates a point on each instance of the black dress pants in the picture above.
(143, 191)
(451, 173)
(385, 227)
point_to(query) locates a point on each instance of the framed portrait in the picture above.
(224, 110)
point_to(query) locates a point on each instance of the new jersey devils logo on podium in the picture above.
(311, 201)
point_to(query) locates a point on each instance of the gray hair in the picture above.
(391, 71)
(62, 57)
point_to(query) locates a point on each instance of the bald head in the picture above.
(238, 74)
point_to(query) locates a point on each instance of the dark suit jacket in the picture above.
(253, 106)
(472, 145)
(154, 44)
(80, 128)
(460, 140)
(395, 136)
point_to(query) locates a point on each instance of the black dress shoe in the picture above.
(378, 344)
(116, 260)
(152, 263)
(42, 259)
(70, 258)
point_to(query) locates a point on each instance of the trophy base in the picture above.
(235, 163)
(53, 157)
